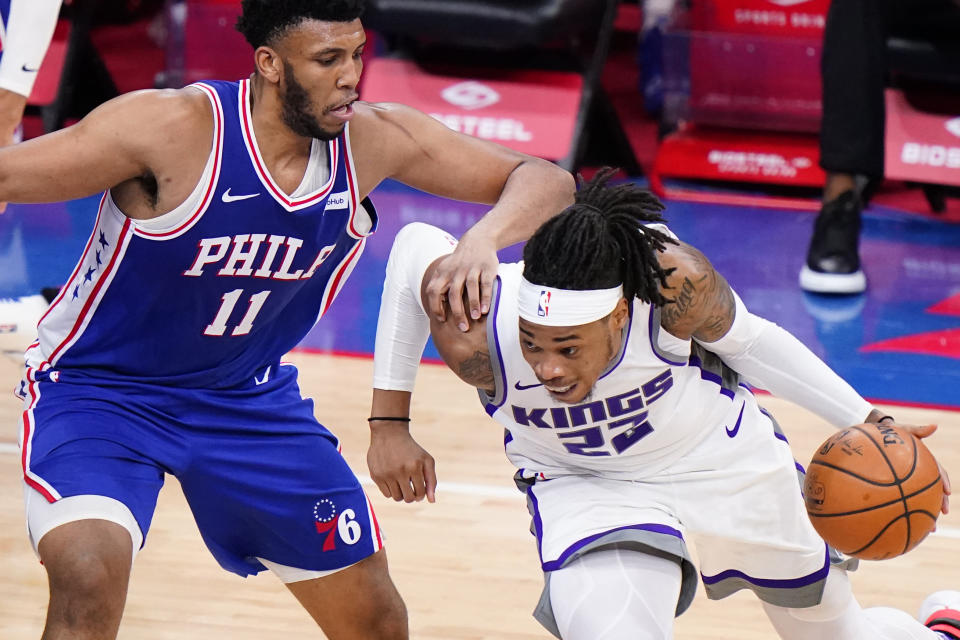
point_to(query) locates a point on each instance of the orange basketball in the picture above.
(873, 491)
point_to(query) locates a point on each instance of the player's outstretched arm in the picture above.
(399, 142)
(122, 139)
(706, 309)
(400, 467)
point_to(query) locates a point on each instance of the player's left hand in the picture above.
(472, 267)
(401, 468)
(923, 431)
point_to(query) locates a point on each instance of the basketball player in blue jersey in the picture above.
(232, 215)
(612, 357)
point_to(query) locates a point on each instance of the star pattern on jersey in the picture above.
(88, 278)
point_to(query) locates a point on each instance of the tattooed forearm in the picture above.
(477, 371)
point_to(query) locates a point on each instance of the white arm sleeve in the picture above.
(775, 360)
(28, 33)
(403, 325)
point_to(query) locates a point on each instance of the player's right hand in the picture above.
(402, 469)
(470, 269)
(922, 431)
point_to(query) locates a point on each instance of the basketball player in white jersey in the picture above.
(230, 219)
(612, 356)
(26, 28)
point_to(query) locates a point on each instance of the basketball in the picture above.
(873, 491)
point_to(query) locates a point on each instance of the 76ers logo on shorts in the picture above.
(330, 523)
(543, 307)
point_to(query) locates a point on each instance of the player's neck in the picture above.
(276, 141)
(285, 153)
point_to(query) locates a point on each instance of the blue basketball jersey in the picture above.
(220, 288)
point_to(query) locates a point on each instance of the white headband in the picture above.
(553, 307)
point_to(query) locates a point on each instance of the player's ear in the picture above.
(620, 314)
(269, 64)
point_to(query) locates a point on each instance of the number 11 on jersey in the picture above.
(219, 325)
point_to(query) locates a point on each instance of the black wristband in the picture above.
(389, 419)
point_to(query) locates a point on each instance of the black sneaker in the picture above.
(833, 262)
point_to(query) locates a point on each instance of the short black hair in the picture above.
(601, 241)
(263, 21)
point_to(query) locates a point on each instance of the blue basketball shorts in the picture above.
(263, 478)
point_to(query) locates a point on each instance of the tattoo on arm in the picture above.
(477, 370)
(704, 307)
(683, 302)
(723, 308)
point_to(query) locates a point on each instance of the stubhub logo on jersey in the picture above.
(624, 415)
(338, 200)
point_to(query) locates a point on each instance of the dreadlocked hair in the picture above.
(600, 241)
(263, 21)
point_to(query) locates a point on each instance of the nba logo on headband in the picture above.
(543, 309)
(569, 308)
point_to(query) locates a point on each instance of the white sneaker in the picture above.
(941, 612)
(836, 283)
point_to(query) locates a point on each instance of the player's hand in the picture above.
(922, 431)
(402, 469)
(472, 267)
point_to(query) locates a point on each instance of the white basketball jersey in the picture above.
(659, 398)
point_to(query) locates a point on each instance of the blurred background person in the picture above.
(853, 72)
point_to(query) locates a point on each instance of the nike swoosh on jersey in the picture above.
(226, 197)
(264, 379)
(27, 69)
(522, 387)
(732, 432)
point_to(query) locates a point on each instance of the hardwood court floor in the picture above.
(466, 565)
